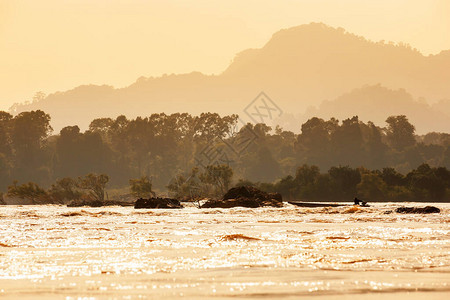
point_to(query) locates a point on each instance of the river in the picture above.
(56, 252)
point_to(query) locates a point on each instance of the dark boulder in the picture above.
(418, 210)
(245, 196)
(275, 196)
(157, 203)
(247, 192)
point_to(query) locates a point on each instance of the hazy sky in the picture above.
(55, 45)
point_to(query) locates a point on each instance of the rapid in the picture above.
(56, 252)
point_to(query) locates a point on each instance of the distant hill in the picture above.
(443, 106)
(297, 68)
(375, 103)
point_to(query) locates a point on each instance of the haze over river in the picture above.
(55, 252)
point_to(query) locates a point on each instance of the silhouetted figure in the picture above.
(359, 202)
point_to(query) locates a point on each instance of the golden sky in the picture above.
(55, 45)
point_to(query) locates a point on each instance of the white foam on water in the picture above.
(121, 253)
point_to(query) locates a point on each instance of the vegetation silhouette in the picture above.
(193, 156)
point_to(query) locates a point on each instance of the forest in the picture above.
(204, 155)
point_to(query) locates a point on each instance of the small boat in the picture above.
(317, 204)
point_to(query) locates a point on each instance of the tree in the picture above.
(344, 181)
(286, 187)
(30, 129)
(347, 143)
(5, 170)
(432, 182)
(64, 189)
(142, 187)
(80, 153)
(305, 179)
(28, 133)
(261, 165)
(373, 145)
(28, 190)
(372, 187)
(188, 186)
(209, 126)
(314, 141)
(219, 176)
(399, 132)
(392, 178)
(68, 152)
(446, 158)
(94, 184)
(102, 126)
(5, 133)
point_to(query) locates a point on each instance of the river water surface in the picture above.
(55, 252)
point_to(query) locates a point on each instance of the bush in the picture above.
(64, 189)
(141, 188)
(29, 191)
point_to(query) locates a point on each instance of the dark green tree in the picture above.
(399, 132)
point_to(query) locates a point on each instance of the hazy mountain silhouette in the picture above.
(297, 68)
(443, 106)
(375, 103)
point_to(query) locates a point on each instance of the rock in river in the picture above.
(245, 196)
(418, 210)
(157, 203)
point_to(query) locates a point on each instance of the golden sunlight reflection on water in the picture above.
(121, 253)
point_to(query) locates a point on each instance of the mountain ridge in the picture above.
(298, 67)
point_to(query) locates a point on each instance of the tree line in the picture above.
(342, 183)
(165, 148)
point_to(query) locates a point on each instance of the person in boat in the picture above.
(359, 202)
